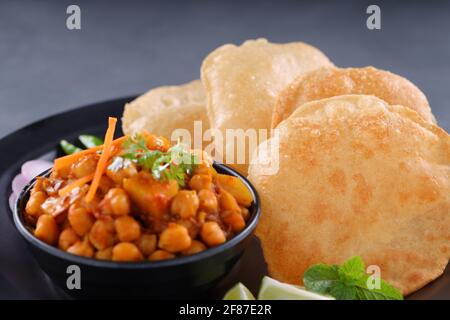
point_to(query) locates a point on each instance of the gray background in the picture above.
(128, 47)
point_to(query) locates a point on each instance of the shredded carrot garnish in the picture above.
(77, 183)
(66, 161)
(103, 161)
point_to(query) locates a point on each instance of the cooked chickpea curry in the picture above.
(136, 198)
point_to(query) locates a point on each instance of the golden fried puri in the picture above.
(164, 109)
(242, 83)
(357, 176)
(329, 82)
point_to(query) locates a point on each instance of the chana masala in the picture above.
(136, 198)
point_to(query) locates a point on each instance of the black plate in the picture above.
(21, 277)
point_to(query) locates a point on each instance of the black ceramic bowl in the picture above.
(183, 277)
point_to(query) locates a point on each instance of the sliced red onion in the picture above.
(18, 183)
(12, 201)
(31, 169)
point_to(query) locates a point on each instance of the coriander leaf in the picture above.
(135, 146)
(174, 164)
(321, 278)
(160, 164)
(177, 173)
(148, 159)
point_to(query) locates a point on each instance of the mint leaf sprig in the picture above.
(176, 163)
(347, 282)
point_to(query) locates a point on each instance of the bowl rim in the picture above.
(146, 264)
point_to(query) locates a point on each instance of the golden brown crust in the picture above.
(162, 110)
(329, 82)
(242, 82)
(357, 177)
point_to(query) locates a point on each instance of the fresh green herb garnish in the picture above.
(347, 282)
(68, 148)
(175, 164)
(90, 141)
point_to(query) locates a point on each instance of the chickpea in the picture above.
(195, 247)
(47, 229)
(33, 207)
(54, 206)
(105, 185)
(125, 169)
(105, 254)
(204, 159)
(234, 220)
(62, 173)
(85, 166)
(67, 238)
(65, 224)
(80, 220)
(200, 181)
(208, 200)
(191, 225)
(51, 187)
(147, 244)
(61, 218)
(82, 248)
(117, 202)
(228, 202)
(126, 251)
(175, 238)
(156, 143)
(201, 217)
(212, 234)
(204, 169)
(245, 213)
(185, 204)
(161, 255)
(39, 184)
(127, 229)
(102, 234)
